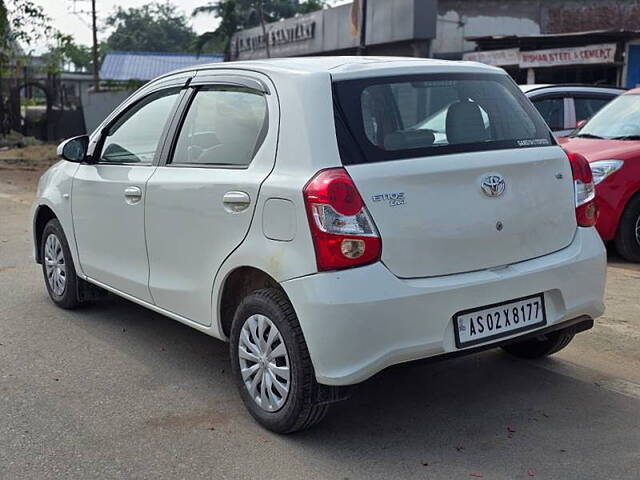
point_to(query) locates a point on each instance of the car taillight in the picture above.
(585, 190)
(343, 232)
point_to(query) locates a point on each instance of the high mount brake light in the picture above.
(585, 190)
(343, 232)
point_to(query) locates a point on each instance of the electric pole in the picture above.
(264, 27)
(94, 31)
(362, 47)
(94, 27)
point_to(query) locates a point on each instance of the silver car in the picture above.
(564, 106)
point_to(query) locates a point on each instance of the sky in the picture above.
(78, 24)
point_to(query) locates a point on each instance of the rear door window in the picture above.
(552, 110)
(390, 118)
(225, 125)
(587, 107)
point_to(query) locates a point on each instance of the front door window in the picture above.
(135, 136)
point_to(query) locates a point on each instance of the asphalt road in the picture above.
(115, 391)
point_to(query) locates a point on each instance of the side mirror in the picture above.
(74, 149)
(581, 123)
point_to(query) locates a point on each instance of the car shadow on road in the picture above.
(165, 345)
(487, 414)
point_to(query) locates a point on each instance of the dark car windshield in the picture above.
(619, 120)
(390, 118)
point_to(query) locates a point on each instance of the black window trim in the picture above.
(547, 96)
(596, 95)
(97, 151)
(166, 158)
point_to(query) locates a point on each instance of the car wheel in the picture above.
(542, 346)
(271, 363)
(628, 238)
(57, 266)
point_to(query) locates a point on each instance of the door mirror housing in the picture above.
(581, 123)
(74, 149)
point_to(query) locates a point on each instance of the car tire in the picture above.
(628, 238)
(57, 266)
(543, 346)
(253, 328)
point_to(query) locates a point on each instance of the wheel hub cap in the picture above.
(264, 363)
(55, 265)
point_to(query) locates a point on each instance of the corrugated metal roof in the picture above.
(148, 65)
(552, 40)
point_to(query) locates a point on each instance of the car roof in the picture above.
(530, 87)
(633, 91)
(569, 87)
(345, 66)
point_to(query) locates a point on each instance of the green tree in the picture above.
(155, 27)
(23, 22)
(63, 51)
(219, 39)
(236, 15)
(4, 21)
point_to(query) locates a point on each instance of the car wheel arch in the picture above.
(631, 195)
(43, 215)
(237, 284)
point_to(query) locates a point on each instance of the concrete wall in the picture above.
(458, 19)
(585, 15)
(98, 105)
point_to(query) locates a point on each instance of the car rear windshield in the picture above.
(389, 118)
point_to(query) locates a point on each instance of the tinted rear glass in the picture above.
(389, 118)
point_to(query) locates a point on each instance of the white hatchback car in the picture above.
(303, 210)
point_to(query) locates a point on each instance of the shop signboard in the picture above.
(590, 54)
(498, 58)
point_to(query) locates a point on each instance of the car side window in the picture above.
(135, 136)
(587, 107)
(552, 110)
(225, 125)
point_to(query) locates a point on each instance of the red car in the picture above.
(610, 141)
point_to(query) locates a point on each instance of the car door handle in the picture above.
(236, 201)
(132, 194)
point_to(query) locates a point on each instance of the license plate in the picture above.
(479, 325)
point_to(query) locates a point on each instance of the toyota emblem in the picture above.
(493, 185)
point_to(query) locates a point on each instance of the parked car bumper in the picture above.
(360, 321)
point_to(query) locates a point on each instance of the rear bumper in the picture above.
(360, 321)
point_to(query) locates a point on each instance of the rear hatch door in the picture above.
(458, 171)
(435, 218)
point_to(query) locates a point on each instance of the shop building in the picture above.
(600, 57)
(545, 41)
(394, 27)
(550, 41)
